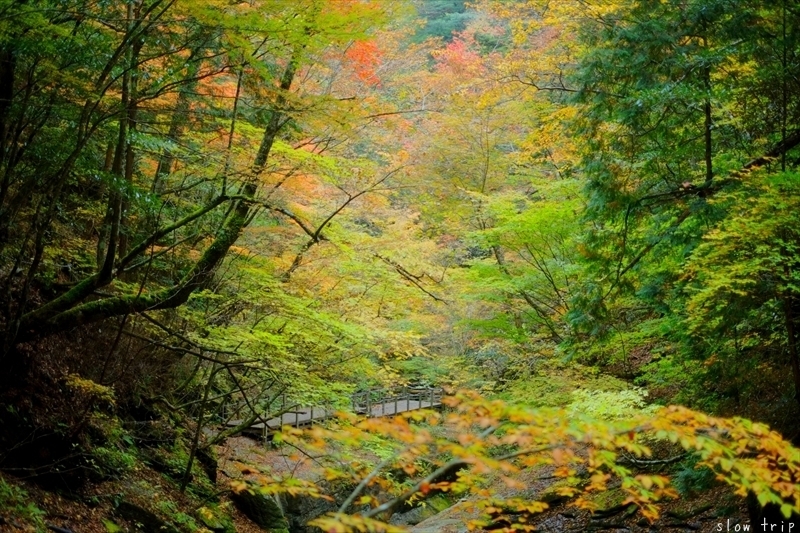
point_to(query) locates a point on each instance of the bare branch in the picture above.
(411, 278)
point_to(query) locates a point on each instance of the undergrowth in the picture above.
(15, 505)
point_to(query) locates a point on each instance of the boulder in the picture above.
(426, 509)
(302, 508)
(144, 520)
(215, 520)
(263, 510)
(208, 460)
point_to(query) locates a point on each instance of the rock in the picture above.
(627, 511)
(300, 509)
(208, 460)
(689, 513)
(57, 529)
(262, 510)
(215, 520)
(452, 520)
(444, 525)
(152, 433)
(161, 461)
(144, 520)
(428, 508)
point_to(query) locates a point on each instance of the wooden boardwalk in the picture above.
(372, 403)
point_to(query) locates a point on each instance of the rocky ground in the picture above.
(714, 510)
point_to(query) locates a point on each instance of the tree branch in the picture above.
(408, 276)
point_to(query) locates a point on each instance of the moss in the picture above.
(551, 495)
(144, 519)
(172, 460)
(216, 519)
(94, 394)
(165, 462)
(608, 499)
(111, 462)
(438, 503)
(112, 453)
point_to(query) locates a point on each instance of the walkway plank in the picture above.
(400, 406)
(306, 416)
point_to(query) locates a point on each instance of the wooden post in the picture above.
(369, 404)
(265, 429)
(432, 396)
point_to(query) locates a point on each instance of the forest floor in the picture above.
(93, 510)
(714, 509)
(27, 507)
(702, 511)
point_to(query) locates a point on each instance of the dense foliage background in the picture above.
(206, 204)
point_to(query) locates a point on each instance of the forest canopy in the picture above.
(214, 213)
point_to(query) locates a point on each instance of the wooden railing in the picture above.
(372, 403)
(385, 402)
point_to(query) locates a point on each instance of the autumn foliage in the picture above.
(484, 439)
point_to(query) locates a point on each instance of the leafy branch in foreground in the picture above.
(483, 440)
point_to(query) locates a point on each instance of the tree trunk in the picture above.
(68, 312)
(176, 127)
(791, 338)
